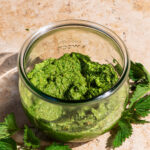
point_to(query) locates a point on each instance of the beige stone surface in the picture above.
(130, 19)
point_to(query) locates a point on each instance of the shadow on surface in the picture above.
(111, 138)
(9, 93)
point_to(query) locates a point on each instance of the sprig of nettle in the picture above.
(31, 142)
(137, 107)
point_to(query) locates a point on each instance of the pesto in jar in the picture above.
(73, 77)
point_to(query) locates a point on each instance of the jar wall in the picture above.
(73, 123)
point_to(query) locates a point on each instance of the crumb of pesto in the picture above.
(27, 29)
(73, 77)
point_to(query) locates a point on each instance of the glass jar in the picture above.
(74, 121)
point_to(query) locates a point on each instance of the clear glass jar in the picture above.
(74, 121)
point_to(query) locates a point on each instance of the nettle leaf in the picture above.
(8, 127)
(4, 133)
(139, 121)
(8, 144)
(140, 91)
(124, 131)
(10, 121)
(138, 72)
(30, 140)
(142, 107)
(56, 146)
(118, 67)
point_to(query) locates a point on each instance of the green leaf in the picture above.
(124, 131)
(118, 67)
(8, 144)
(140, 91)
(139, 121)
(10, 121)
(30, 140)
(142, 107)
(56, 146)
(139, 106)
(134, 118)
(138, 72)
(4, 133)
(8, 127)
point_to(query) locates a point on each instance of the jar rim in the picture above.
(75, 22)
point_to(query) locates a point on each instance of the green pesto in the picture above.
(73, 77)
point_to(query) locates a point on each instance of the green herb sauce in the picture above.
(73, 77)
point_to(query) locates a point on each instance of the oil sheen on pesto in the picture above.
(73, 77)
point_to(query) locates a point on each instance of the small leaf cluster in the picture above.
(31, 141)
(138, 105)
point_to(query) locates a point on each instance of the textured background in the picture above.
(130, 19)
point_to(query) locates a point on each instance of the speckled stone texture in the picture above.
(130, 19)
